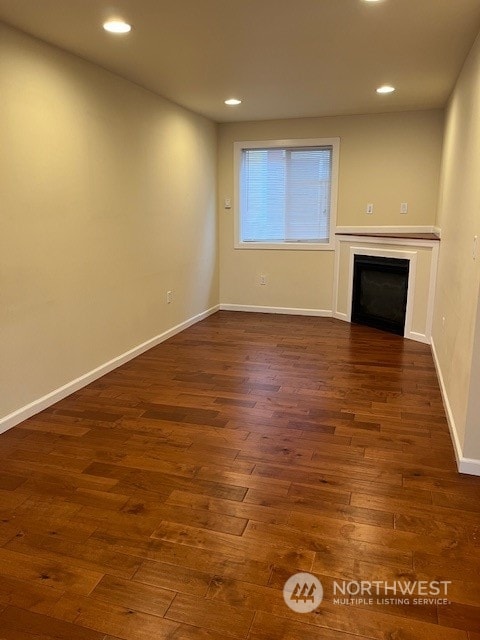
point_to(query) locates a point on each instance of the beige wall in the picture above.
(107, 200)
(458, 274)
(471, 446)
(385, 159)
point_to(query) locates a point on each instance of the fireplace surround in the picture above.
(422, 256)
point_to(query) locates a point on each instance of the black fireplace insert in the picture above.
(380, 287)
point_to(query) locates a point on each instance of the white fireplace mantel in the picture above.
(423, 257)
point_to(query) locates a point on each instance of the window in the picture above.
(286, 193)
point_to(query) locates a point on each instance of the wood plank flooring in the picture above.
(174, 497)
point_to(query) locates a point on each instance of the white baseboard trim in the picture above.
(388, 229)
(418, 337)
(29, 410)
(291, 311)
(341, 316)
(469, 466)
(465, 465)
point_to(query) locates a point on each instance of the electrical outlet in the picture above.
(227, 203)
(263, 279)
(404, 207)
(369, 208)
(169, 297)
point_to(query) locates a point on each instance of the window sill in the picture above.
(287, 246)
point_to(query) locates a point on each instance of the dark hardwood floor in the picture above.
(174, 497)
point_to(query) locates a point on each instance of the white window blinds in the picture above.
(285, 194)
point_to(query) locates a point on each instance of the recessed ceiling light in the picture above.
(233, 102)
(117, 26)
(386, 88)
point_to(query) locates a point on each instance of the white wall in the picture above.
(456, 314)
(107, 200)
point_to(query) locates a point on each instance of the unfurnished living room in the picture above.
(239, 319)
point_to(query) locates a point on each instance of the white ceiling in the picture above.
(284, 58)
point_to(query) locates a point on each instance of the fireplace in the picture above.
(422, 257)
(379, 295)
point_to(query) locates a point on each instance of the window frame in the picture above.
(238, 148)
